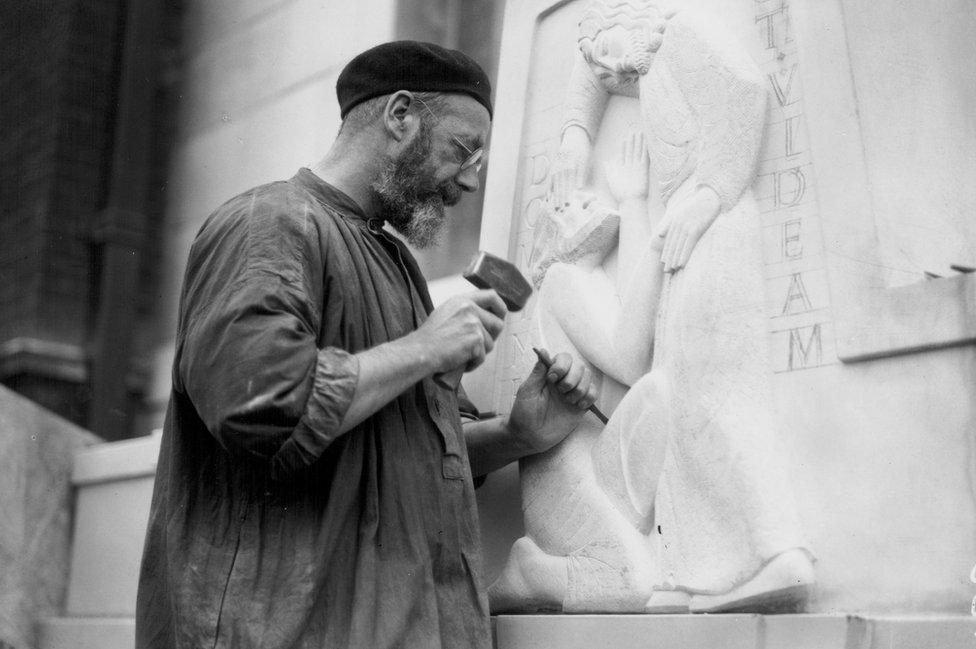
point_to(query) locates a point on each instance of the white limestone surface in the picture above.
(732, 631)
(878, 453)
(114, 483)
(87, 633)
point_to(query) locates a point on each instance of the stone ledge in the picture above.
(908, 319)
(87, 633)
(134, 458)
(732, 632)
(25, 355)
(626, 631)
(633, 632)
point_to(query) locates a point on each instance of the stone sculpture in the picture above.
(690, 459)
(581, 553)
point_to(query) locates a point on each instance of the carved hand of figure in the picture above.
(569, 173)
(627, 176)
(683, 224)
(550, 403)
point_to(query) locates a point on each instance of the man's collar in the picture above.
(330, 195)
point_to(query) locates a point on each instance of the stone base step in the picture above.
(733, 632)
(87, 633)
(634, 632)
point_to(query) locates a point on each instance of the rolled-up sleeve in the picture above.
(333, 387)
(249, 360)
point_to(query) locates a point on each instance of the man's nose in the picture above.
(468, 179)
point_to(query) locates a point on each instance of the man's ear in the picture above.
(397, 118)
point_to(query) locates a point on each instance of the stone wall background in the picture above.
(36, 453)
(244, 94)
(62, 64)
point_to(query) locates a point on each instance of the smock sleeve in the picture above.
(251, 313)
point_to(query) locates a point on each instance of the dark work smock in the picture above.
(267, 529)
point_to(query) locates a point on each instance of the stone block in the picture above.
(804, 631)
(950, 632)
(36, 449)
(114, 489)
(90, 633)
(732, 631)
(626, 631)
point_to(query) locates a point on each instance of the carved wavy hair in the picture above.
(643, 19)
(596, 234)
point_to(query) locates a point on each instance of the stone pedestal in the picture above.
(113, 485)
(731, 632)
(36, 448)
(87, 633)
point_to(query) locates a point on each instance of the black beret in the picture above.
(414, 66)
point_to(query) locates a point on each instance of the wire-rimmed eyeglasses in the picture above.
(475, 158)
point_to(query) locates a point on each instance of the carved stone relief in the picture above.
(682, 501)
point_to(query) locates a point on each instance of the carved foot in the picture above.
(782, 586)
(531, 581)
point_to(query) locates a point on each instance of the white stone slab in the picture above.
(88, 633)
(114, 489)
(733, 631)
(958, 632)
(804, 632)
(110, 529)
(626, 632)
(135, 458)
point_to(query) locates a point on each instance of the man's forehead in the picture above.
(469, 114)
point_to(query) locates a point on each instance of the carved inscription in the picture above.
(515, 358)
(514, 349)
(792, 245)
(797, 300)
(806, 347)
(795, 278)
(773, 19)
(782, 84)
(789, 186)
(791, 128)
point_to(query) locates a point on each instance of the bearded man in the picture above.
(314, 486)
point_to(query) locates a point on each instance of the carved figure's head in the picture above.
(584, 233)
(618, 39)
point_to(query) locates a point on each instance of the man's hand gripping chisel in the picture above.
(488, 271)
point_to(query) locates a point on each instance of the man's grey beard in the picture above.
(423, 225)
(410, 200)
